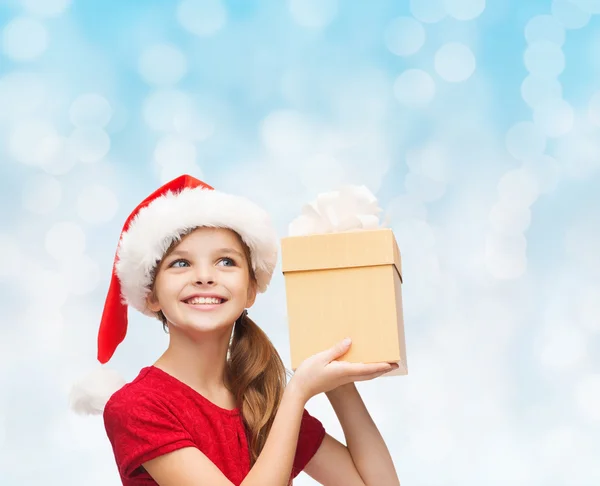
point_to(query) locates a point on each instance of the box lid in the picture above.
(362, 248)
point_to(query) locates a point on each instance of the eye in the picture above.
(228, 262)
(179, 264)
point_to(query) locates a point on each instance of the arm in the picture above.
(190, 467)
(366, 451)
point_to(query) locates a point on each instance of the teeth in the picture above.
(204, 300)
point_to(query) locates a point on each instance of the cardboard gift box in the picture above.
(345, 284)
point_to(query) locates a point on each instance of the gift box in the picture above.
(343, 277)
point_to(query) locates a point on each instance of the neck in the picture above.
(199, 362)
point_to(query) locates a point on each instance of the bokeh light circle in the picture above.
(537, 89)
(414, 87)
(524, 140)
(24, 39)
(454, 62)
(97, 204)
(90, 110)
(555, 117)
(464, 9)
(404, 36)
(65, 240)
(202, 17)
(162, 65)
(544, 58)
(545, 28)
(41, 194)
(313, 13)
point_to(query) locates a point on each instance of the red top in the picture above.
(156, 414)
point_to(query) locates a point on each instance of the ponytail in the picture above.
(257, 377)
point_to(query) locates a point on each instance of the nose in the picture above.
(204, 275)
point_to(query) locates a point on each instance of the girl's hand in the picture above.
(322, 373)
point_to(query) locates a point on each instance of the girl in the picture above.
(214, 409)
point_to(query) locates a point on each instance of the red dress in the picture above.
(156, 414)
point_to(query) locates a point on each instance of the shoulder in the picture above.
(133, 398)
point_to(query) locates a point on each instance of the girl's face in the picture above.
(205, 283)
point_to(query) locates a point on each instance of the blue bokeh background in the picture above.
(475, 123)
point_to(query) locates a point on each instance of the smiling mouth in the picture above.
(204, 301)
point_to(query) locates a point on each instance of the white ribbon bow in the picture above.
(349, 209)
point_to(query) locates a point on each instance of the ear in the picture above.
(152, 302)
(251, 294)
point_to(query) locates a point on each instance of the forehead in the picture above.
(208, 238)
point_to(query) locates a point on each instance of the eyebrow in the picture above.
(218, 250)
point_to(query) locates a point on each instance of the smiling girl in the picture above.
(215, 409)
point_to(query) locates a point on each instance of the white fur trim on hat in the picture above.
(89, 395)
(166, 218)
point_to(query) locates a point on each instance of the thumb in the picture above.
(338, 349)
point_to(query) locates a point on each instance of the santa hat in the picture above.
(163, 217)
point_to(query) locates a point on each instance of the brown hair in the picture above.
(254, 374)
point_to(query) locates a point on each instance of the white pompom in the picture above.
(90, 394)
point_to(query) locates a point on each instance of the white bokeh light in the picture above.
(544, 58)
(24, 39)
(81, 274)
(454, 62)
(321, 173)
(174, 150)
(96, 204)
(428, 11)
(545, 170)
(288, 133)
(202, 17)
(33, 141)
(46, 8)
(21, 94)
(588, 308)
(90, 110)
(65, 240)
(582, 240)
(414, 87)
(554, 117)
(524, 140)
(10, 256)
(560, 347)
(587, 396)
(167, 173)
(164, 110)
(404, 36)
(49, 287)
(423, 187)
(594, 109)
(41, 194)
(537, 89)
(569, 14)
(406, 207)
(590, 6)
(162, 65)
(519, 187)
(464, 9)
(60, 160)
(46, 327)
(545, 28)
(429, 161)
(313, 13)
(509, 218)
(89, 144)
(505, 255)
(578, 153)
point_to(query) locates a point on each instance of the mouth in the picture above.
(204, 300)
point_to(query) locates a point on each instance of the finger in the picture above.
(337, 350)
(371, 376)
(360, 369)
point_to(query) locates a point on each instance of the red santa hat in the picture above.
(163, 217)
